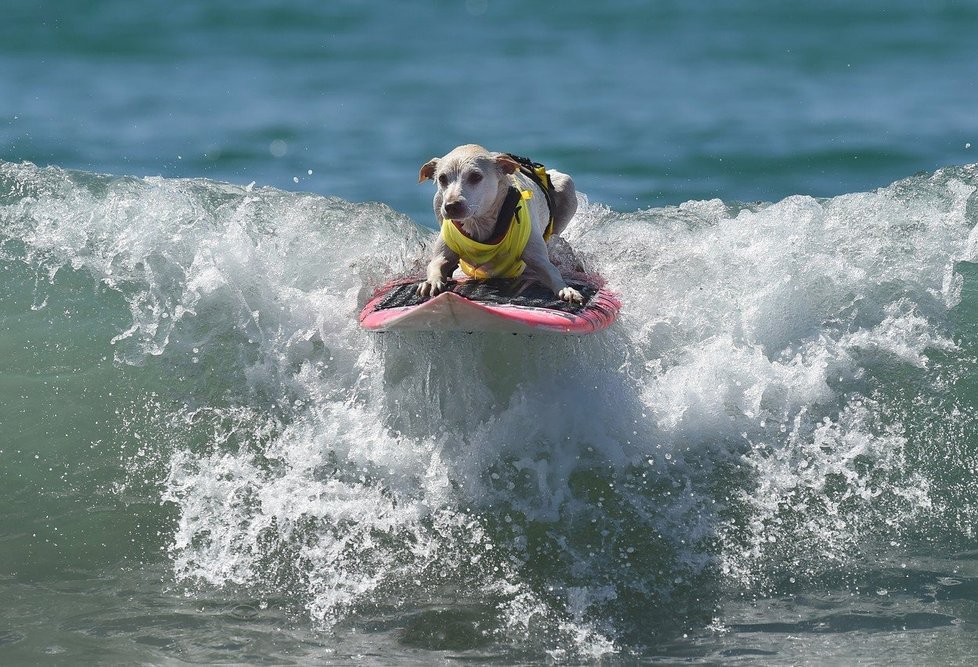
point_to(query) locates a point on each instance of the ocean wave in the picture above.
(786, 394)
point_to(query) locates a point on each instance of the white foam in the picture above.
(550, 475)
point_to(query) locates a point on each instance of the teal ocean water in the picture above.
(770, 458)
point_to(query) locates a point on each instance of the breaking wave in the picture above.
(787, 398)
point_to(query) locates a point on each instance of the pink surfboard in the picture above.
(492, 305)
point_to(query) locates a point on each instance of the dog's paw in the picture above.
(570, 295)
(430, 288)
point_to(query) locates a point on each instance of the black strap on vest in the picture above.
(506, 216)
(527, 167)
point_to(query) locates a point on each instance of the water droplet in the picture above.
(278, 148)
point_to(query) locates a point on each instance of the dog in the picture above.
(475, 190)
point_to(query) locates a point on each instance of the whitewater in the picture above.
(775, 439)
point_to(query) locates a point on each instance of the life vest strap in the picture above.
(506, 216)
(538, 174)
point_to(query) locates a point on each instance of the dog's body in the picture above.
(472, 187)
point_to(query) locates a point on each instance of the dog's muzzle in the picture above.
(455, 210)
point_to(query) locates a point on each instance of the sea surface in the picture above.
(770, 458)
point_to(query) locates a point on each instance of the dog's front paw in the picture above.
(431, 287)
(570, 295)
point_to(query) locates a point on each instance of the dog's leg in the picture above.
(565, 199)
(440, 269)
(538, 261)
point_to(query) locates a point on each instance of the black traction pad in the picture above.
(494, 291)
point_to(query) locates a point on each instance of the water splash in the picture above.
(744, 424)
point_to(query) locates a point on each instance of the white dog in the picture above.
(496, 211)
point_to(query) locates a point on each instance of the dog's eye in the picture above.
(475, 177)
(443, 180)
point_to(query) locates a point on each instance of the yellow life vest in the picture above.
(538, 174)
(500, 258)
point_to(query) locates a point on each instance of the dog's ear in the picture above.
(427, 170)
(506, 163)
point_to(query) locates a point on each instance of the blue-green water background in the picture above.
(646, 103)
(770, 456)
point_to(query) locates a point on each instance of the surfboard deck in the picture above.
(502, 306)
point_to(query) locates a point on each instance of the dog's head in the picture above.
(469, 180)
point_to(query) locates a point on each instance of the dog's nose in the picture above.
(455, 209)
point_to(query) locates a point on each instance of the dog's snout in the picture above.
(455, 209)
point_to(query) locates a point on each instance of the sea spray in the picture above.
(745, 428)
